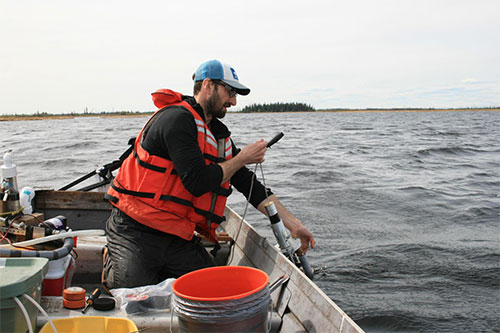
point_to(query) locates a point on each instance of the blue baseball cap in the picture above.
(217, 70)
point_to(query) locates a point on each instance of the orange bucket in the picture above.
(220, 283)
(223, 299)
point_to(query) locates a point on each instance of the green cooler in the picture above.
(19, 276)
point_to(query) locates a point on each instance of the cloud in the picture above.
(470, 81)
(108, 55)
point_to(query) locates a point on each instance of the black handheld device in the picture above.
(276, 138)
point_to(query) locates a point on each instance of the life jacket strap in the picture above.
(146, 195)
(163, 170)
(111, 198)
(209, 215)
(147, 165)
(225, 192)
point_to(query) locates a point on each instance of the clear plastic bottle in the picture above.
(10, 193)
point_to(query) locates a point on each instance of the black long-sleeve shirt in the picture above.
(173, 135)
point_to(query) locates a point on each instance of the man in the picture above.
(173, 186)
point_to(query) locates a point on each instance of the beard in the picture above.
(215, 107)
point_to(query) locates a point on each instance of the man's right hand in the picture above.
(253, 153)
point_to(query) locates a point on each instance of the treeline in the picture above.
(277, 107)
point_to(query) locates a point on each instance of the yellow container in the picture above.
(91, 324)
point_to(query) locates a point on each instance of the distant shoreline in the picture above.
(133, 115)
(69, 116)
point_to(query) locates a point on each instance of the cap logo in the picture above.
(234, 73)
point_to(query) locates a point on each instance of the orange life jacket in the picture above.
(148, 189)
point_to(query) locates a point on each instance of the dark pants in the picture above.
(138, 255)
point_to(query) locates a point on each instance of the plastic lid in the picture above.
(19, 275)
(8, 168)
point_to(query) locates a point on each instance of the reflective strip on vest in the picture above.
(229, 148)
(209, 137)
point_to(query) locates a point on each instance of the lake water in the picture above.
(405, 206)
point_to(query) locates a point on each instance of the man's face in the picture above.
(219, 101)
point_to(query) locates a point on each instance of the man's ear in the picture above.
(207, 85)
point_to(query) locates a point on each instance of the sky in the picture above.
(63, 56)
